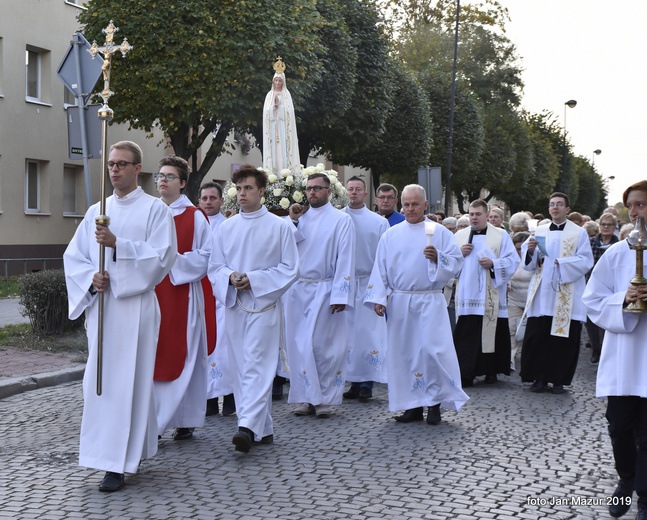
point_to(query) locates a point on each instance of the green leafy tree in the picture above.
(199, 66)
(345, 135)
(592, 194)
(404, 145)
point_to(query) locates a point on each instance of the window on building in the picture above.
(72, 189)
(32, 187)
(1, 66)
(37, 72)
(32, 64)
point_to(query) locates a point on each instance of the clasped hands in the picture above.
(239, 281)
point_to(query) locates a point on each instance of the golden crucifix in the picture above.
(105, 114)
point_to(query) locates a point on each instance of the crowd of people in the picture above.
(198, 307)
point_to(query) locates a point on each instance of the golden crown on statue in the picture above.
(279, 66)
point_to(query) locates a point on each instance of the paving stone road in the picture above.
(508, 454)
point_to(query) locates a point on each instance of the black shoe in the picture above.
(242, 440)
(642, 511)
(212, 407)
(558, 389)
(365, 394)
(490, 379)
(182, 434)
(414, 414)
(587, 345)
(228, 405)
(112, 482)
(433, 415)
(595, 357)
(538, 387)
(352, 393)
(621, 499)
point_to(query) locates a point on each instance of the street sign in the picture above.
(80, 78)
(93, 129)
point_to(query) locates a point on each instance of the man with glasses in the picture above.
(188, 328)
(367, 332)
(387, 201)
(316, 327)
(560, 255)
(119, 426)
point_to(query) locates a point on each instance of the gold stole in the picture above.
(493, 239)
(564, 296)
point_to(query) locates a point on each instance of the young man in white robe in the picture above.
(367, 331)
(481, 334)
(183, 345)
(254, 261)
(414, 261)
(316, 326)
(219, 376)
(560, 255)
(623, 362)
(118, 428)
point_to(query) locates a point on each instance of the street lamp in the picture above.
(595, 152)
(452, 103)
(570, 104)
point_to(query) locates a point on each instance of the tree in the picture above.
(199, 66)
(404, 146)
(345, 135)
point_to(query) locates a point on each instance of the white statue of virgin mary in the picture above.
(280, 142)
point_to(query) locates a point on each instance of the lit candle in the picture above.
(532, 225)
(430, 229)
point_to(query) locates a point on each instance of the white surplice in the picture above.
(422, 368)
(571, 270)
(181, 403)
(317, 340)
(623, 362)
(119, 426)
(262, 246)
(366, 330)
(219, 376)
(471, 293)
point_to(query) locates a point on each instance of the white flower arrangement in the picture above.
(288, 187)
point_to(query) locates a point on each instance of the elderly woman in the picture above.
(450, 223)
(599, 244)
(591, 229)
(517, 295)
(519, 222)
(280, 142)
(462, 222)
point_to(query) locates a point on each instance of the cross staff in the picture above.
(105, 114)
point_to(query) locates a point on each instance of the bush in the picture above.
(43, 296)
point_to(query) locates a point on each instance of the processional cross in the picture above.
(105, 114)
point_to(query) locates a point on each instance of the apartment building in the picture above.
(43, 191)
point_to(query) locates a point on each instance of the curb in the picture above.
(18, 385)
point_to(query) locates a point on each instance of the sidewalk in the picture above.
(22, 370)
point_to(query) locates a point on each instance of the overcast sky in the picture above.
(593, 51)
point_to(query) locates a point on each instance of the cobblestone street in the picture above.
(508, 454)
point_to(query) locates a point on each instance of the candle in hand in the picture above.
(430, 229)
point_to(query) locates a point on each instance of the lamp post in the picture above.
(595, 152)
(452, 103)
(570, 104)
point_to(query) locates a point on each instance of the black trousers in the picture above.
(627, 417)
